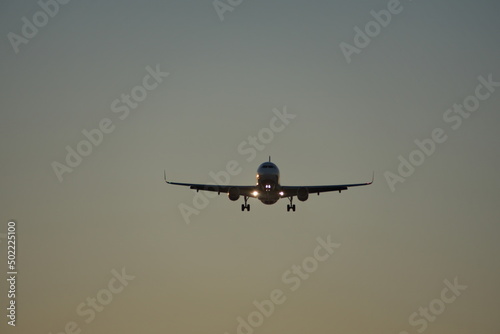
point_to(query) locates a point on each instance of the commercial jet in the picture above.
(268, 189)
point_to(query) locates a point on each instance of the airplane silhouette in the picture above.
(268, 189)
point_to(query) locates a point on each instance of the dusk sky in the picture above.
(99, 98)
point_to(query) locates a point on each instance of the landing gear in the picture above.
(290, 206)
(245, 206)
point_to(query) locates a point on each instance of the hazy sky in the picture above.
(103, 246)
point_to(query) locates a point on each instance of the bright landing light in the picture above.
(255, 193)
(281, 193)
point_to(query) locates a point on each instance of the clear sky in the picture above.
(409, 90)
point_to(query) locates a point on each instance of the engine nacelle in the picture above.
(302, 194)
(233, 194)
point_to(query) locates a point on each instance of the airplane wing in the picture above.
(293, 190)
(243, 190)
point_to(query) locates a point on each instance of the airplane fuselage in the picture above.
(268, 182)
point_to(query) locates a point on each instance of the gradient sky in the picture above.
(114, 211)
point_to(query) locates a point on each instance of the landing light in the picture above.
(255, 193)
(281, 193)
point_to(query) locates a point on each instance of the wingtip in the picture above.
(373, 177)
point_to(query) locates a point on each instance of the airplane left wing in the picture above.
(243, 190)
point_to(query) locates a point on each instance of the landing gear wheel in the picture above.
(290, 206)
(245, 206)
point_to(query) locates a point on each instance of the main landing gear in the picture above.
(245, 206)
(290, 206)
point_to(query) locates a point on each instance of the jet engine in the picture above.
(233, 194)
(302, 194)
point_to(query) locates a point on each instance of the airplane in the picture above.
(268, 188)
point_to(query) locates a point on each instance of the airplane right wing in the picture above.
(289, 191)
